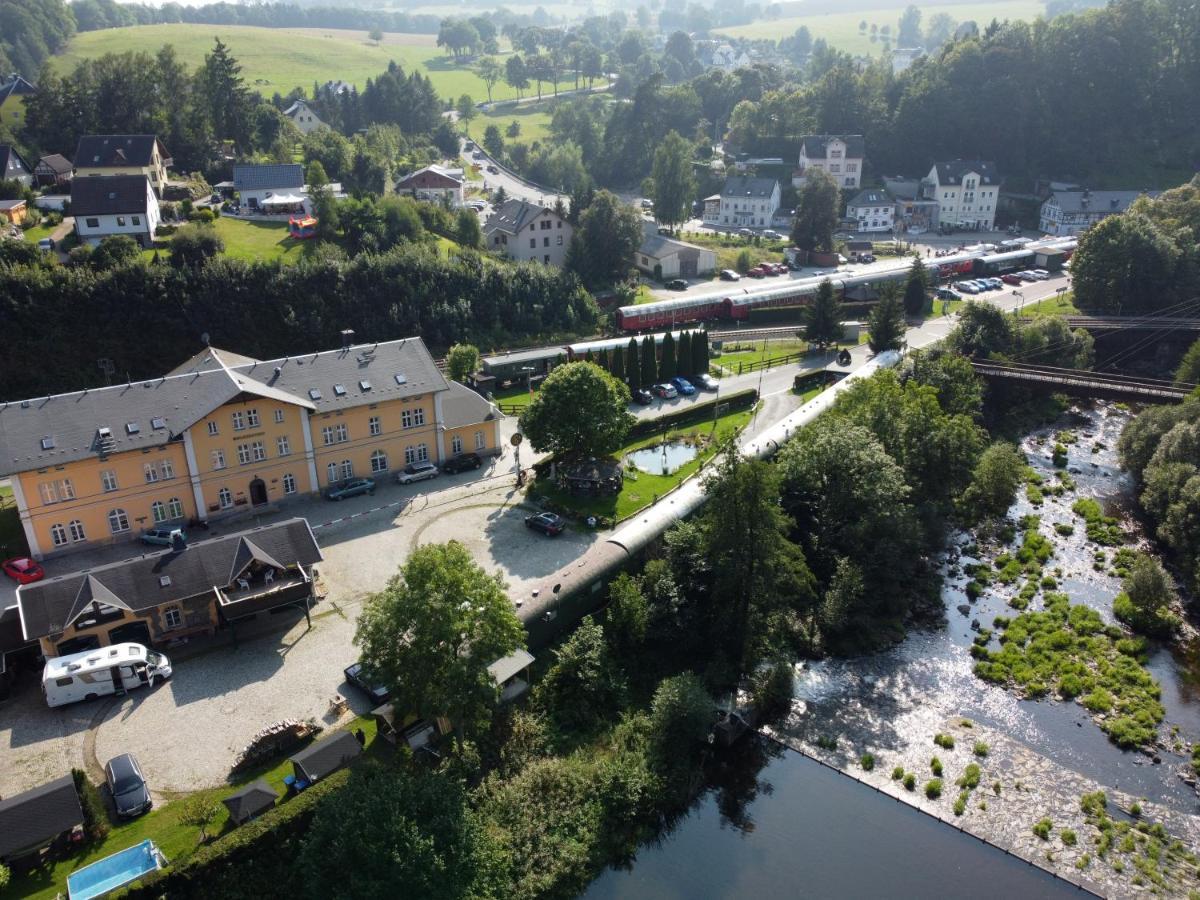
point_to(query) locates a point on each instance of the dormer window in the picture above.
(47, 443)
(314, 394)
(340, 390)
(364, 385)
(158, 422)
(132, 427)
(400, 379)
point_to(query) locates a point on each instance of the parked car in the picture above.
(377, 692)
(130, 794)
(1039, 274)
(994, 284)
(352, 488)
(705, 382)
(647, 204)
(781, 268)
(757, 272)
(730, 275)
(842, 260)
(677, 284)
(477, 205)
(642, 397)
(46, 245)
(745, 232)
(772, 235)
(947, 294)
(967, 287)
(682, 385)
(461, 463)
(1027, 276)
(1011, 278)
(546, 523)
(23, 570)
(665, 391)
(493, 170)
(478, 154)
(417, 471)
(161, 537)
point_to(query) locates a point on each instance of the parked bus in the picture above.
(103, 671)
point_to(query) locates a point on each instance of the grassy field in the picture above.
(259, 240)
(756, 352)
(534, 119)
(841, 31)
(279, 59)
(162, 825)
(729, 247)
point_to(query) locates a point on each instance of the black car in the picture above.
(547, 523)
(642, 397)
(130, 794)
(377, 692)
(461, 463)
(677, 284)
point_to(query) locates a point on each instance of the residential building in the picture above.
(966, 191)
(528, 231)
(13, 167)
(745, 202)
(118, 204)
(53, 171)
(303, 117)
(904, 57)
(13, 92)
(725, 57)
(225, 434)
(1073, 212)
(123, 154)
(260, 186)
(163, 596)
(871, 210)
(437, 183)
(664, 257)
(841, 155)
(38, 817)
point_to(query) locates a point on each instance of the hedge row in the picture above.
(240, 857)
(695, 413)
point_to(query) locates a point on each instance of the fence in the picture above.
(745, 367)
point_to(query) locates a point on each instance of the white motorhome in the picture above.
(103, 671)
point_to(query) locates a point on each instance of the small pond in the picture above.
(663, 459)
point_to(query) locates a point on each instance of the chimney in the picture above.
(347, 338)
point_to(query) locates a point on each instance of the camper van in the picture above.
(103, 671)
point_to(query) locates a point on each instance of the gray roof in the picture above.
(12, 164)
(870, 197)
(814, 145)
(256, 178)
(1096, 201)
(659, 245)
(32, 819)
(503, 669)
(11, 204)
(49, 606)
(512, 215)
(519, 357)
(299, 106)
(749, 186)
(325, 757)
(462, 406)
(109, 195)
(15, 87)
(254, 798)
(952, 172)
(56, 163)
(367, 373)
(108, 151)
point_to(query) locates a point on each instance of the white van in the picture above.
(103, 671)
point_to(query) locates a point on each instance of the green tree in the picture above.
(683, 354)
(516, 73)
(193, 245)
(885, 327)
(915, 288)
(1126, 264)
(467, 232)
(114, 250)
(817, 212)
(430, 635)
(465, 107)
(1147, 597)
(376, 35)
(908, 33)
(744, 262)
(681, 716)
(612, 232)
(823, 319)
(493, 141)
(633, 365)
(649, 361)
(627, 616)
(583, 687)
(490, 72)
(998, 473)
(459, 37)
(199, 811)
(580, 410)
(1189, 367)
(959, 389)
(228, 99)
(674, 184)
(616, 364)
(667, 367)
(324, 206)
(700, 352)
(462, 360)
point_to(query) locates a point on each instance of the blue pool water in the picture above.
(113, 871)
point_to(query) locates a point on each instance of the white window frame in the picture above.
(283, 445)
(174, 508)
(374, 426)
(347, 469)
(118, 521)
(379, 462)
(108, 480)
(218, 460)
(422, 453)
(166, 469)
(58, 535)
(456, 444)
(225, 498)
(75, 527)
(279, 417)
(213, 428)
(151, 471)
(418, 417)
(158, 512)
(172, 618)
(331, 472)
(239, 420)
(480, 440)
(252, 418)
(289, 483)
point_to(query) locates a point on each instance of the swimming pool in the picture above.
(114, 871)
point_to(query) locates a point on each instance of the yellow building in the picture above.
(123, 154)
(224, 434)
(12, 102)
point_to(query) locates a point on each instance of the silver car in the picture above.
(417, 471)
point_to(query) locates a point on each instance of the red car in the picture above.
(1010, 278)
(780, 268)
(757, 272)
(23, 570)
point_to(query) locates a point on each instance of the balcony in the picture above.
(253, 594)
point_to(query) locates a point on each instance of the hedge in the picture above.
(256, 846)
(696, 412)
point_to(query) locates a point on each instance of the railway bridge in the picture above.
(1080, 383)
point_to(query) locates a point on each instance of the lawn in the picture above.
(841, 30)
(259, 240)
(162, 825)
(1053, 306)
(37, 232)
(729, 247)
(533, 118)
(741, 354)
(641, 488)
(279, 59)
(515, 396)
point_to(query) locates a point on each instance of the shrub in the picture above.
(981, 748)
(867, 761)
(5, 875)
(1042, 829)
(1067, 836)
(935, 766)
(773, 690)
(825, 742)
(960, 804)
(1135, 809)
(933, 788)
(95, 813)
(910, 781)
(897, 773)
(970, 777)
(945, 741)
(1064, 529)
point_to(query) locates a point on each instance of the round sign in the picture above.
(516, 439)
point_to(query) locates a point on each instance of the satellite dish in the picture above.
(516, 439)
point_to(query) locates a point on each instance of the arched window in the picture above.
(175, 508)
(332, 472)
(77, 533)
(422, 452)
(58, 535)
(225, 498)
(379, 461)
(118, 521)
(158, 511)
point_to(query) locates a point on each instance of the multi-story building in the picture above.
(224, 434)
(841, 155)
(13, 166)
(303, 117)
(871, 210)
(1073, 212)
(745, 202)
(966, 191)
(124, 154)
(118, 204)
(258, 184)
(527, 231)
(437, 183)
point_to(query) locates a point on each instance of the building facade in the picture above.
(745, 202)
(967, 192)
(123, 154)
(841, 155)
(13, 166)
(12, 101)
(53, 171)
(117, 204)
(436, 183)
(528, 231)
(224, 434)
(258, 184)
(1073, 212)
(303, 117)
(664, 257)
(871, 210)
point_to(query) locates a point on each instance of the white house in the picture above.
(114, 204)
(841, 155)
(871, 210)
(904, 57)
(13, 167)
(966, 191)
(303, 117)
(437, 183)
(1073, 212)
(665, 257)
(724, 56)
(278, 184)
(527, 231)
(745, 202)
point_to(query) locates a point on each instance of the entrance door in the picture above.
(258, 492)
(687, 268)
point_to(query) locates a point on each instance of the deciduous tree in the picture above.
(674, 184)
(817, 212)
(580, 410)
(462, 360)
(611, 231)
